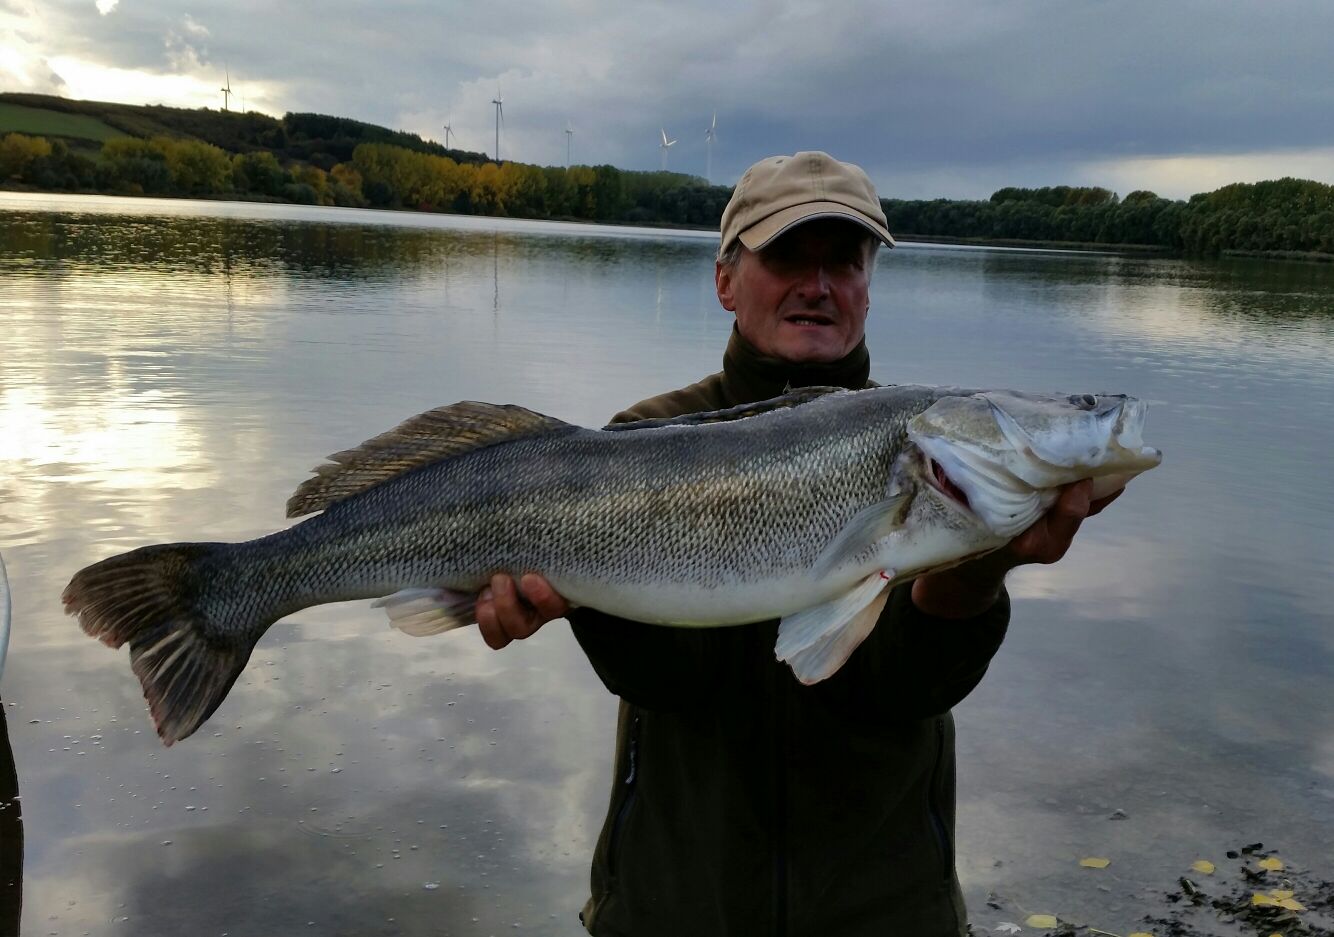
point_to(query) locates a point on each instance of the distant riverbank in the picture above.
(903, 236)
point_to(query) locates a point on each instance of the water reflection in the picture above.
(172, 377)
(60, 245)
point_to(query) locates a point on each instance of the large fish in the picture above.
(806, 508)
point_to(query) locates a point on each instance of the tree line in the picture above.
(377, 175)
(1285, 215)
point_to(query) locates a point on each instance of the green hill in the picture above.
(17, 118)
(314, 138)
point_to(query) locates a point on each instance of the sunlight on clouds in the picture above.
(138, 440)
(13, 62)
(100, 83)
(23, 61)
(194, 27)
(1109, 577)
(106, 6)
(1184, 176)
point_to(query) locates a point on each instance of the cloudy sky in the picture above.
(951, 98)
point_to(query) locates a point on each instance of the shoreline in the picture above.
(1086, 246)
(1137, 250)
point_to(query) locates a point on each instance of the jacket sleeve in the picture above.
(651, 666)
(914, 665)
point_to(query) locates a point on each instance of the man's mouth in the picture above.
(809, 318)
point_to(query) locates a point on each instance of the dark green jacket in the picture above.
(745, 804)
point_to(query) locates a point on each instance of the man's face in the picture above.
(803, 298)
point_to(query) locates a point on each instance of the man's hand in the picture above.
(506, 612)
(971, 588)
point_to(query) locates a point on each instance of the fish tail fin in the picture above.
(149, 598)
(424, 612)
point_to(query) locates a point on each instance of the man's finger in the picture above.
(517, 616)
(546, 600)
(1068, 513)
(492, 633)
(1101, 503)
(506, 599)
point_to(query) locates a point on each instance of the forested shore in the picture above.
(320, 160)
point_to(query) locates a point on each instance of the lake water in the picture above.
(171, 370)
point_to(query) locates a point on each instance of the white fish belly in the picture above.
(905, 554)
(690, 605)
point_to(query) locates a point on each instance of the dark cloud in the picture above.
(954, 94)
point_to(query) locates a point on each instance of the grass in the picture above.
(15, 118)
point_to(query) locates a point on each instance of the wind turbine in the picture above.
(710, 135)
(499, 102)
(448, 132)
(569, 139)
(227, 91)
(664, 146)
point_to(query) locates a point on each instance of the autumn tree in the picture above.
(17, 151)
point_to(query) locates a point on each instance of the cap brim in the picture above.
(758, 235)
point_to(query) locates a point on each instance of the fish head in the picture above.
(1003, 455)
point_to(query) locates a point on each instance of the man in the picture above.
(744, 803)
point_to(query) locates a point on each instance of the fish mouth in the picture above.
(940, 480)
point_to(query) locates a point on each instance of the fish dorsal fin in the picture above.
(428, 437)
(793, 398)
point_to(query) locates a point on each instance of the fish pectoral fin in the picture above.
(869, 525)
(817, 641)
(424, 612)
(428, 437)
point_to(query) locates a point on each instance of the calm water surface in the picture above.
(171, 371)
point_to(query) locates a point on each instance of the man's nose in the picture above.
(813, 281)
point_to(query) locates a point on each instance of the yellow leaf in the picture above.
(1041, 920)
(1094, 862)
(1292, 904)
(1271, 864)
(1203, 866)
(1140, 933)
(1263, 901)
(1281, 893)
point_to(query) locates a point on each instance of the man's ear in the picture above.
(722, 282)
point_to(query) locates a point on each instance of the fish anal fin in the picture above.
(866, 527)
(428, 437)
(816, 641)
(424, 612)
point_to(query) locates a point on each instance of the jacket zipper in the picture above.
(933, 806)
(618, 824)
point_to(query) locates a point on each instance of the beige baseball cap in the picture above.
(781, 192)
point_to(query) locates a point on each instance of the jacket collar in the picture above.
(750, 376)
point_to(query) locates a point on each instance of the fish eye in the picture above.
(1084, 401)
